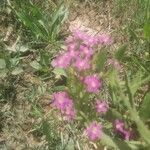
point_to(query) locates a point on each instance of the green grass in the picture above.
(42, 25)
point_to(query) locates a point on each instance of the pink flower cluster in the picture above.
(62, 102)
(94, 131)
(121, 130)
(101, 106)
(92, 40)
(93, 83)
(79, 54)
(80, 50)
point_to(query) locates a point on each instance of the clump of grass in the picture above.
(42, 25)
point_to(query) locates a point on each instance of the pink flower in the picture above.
(93, 84)
(78, 34)
(94, 131)
(62, 61)
(101, 106)
(72, 46)
(127, 134)
(85, 38)
(69, 40)
(69, 113)
(73, 53)
(119, 125)
(86, 51)
(104, 39)
(90, 41)
(61, 100)
(121, 130)
(82, 64)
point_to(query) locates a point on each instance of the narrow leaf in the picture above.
(17, 71)
(144, 111)
(100, 60)
(36, 65)
(147, 29)
(2, 64)
(59, 72)
(121, 52)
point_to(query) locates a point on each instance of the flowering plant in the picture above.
(97, 95)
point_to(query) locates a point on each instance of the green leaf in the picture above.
(14, 61)
(2, 64)
(144, 111)
(113, 79)
(59, 72)
(59, 88)
(112, 115)
(17, 71)
(147, 29)
(137, 82)
(101, 59)
(124, 145)
(133, 35)
(137, 145)
(42, 89)
(18, 47)
(44, 58)
(121, 52)
(70, 145)
(36, 65)
(142, 128)
(107, 140)
(36, 112)
(119, 144)
(58, 17)
(22, 48)
(46, 130)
